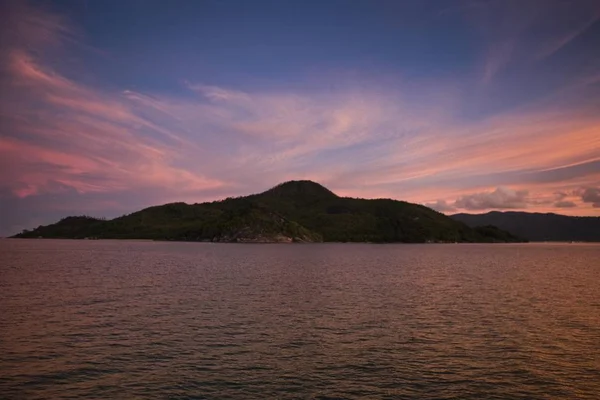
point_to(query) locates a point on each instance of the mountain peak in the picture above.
(300, 188)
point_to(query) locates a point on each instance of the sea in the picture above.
(103, 319)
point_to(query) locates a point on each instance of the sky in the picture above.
(107, 107)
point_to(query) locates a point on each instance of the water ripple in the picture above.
(122, 320)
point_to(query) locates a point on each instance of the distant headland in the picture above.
(538, 227)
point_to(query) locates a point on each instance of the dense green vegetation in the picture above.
(537, 226)
(301, 211)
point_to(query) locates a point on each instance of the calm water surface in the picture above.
(145, 320)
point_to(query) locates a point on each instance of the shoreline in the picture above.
(305, 243)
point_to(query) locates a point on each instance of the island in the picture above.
(295, 211)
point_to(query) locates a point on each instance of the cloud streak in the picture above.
(565, 204)
(509, 25)
(60, 135)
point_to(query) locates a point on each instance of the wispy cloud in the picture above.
(517, 32)
(60, 134)
(34, 28)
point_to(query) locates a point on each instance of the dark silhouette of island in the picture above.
(538, 227)
(295, 211)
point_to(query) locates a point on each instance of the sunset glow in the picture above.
(465, 106)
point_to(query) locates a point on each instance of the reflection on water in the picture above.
(109, 319)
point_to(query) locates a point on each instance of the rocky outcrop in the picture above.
(289, 232)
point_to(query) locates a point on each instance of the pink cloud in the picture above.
(33, 27)
(86, 134)
(278, 132)
(364, 140)
(501, 198)
(25, 191)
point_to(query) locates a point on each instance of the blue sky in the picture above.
(111, 106)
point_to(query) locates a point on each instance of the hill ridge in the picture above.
(293, 211)
(535, 226)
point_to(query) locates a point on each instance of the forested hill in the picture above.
(298, 211)
(539, 227)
